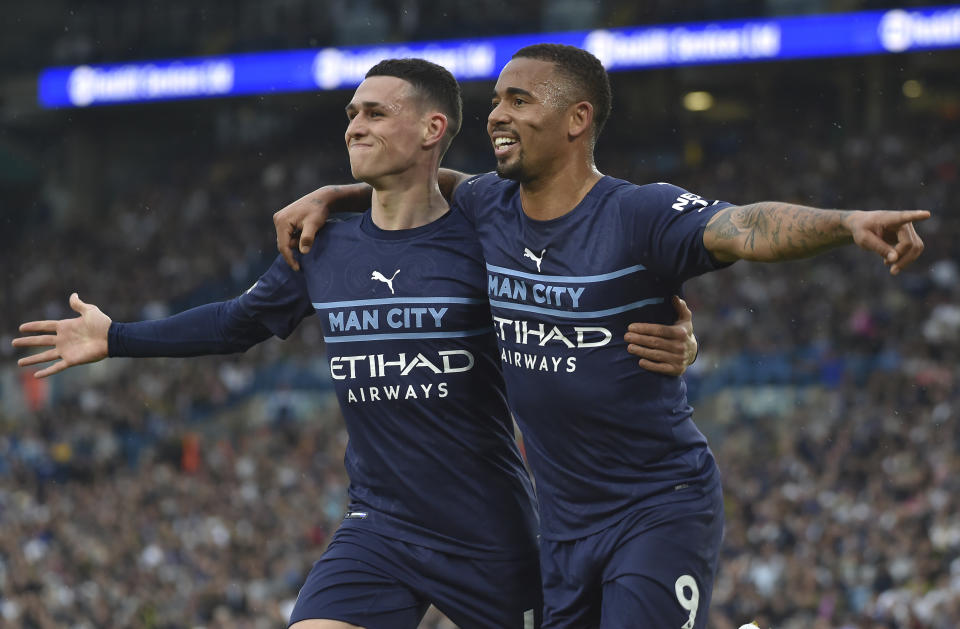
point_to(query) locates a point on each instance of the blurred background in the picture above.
(197, 493)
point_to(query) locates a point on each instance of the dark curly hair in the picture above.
(433, 82)
(586, 77)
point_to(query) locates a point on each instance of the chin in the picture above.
(512, 171)
(362, 174)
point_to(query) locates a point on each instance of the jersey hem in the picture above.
(472, 551)
(671, 496)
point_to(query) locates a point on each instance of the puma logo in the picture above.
(529, 254)
(377, 275)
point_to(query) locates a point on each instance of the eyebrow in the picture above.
(514, 91)
(367, 104)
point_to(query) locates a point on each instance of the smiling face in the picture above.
(386, 128)
(528, 123)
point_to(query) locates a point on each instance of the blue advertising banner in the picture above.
(733, 41)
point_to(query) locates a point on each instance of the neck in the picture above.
(558, 192)
(407, 202)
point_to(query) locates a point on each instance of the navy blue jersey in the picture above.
(431, 455)
(602, 435)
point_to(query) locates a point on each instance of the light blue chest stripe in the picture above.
(407, 335)
(398, 300)
(569, 279)
(572, 314)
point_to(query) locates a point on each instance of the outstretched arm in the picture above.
(772, 231)
(218, 328)
(666, 349)
(298, 223)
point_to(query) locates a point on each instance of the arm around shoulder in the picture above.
(448, 181)
(298, 223)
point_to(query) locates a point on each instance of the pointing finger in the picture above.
(911, 216)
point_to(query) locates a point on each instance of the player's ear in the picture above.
(579, 119)
(435, 129)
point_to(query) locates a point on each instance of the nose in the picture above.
(356, 128)
(498, 115)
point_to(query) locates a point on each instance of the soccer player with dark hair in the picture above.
(442, 510)
(631, 510)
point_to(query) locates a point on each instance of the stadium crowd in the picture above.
(164, 493)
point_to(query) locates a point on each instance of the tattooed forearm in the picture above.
(771, 231)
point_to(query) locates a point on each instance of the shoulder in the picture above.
(658, 199)
(646, 195)
(341, 224)
(339, 235)
(487, 179)
(457, 232)
(483, 194)
(485, 185)
(345, 220)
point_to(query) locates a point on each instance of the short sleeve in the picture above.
(279, 299)
(666, 223)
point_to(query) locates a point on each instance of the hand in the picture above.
(298, 223)
(666, 349)
(75, 341)
(890, 234)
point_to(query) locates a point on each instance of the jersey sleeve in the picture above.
(666, 224)
(278, 300)
(217, 328)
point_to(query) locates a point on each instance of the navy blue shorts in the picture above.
(654, 568)
(376, 582)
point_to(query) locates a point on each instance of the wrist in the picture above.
(849, 219)
(325, 196)
(351, 197)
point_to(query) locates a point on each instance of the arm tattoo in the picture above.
(771, 231)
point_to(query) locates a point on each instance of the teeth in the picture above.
(504, 141)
